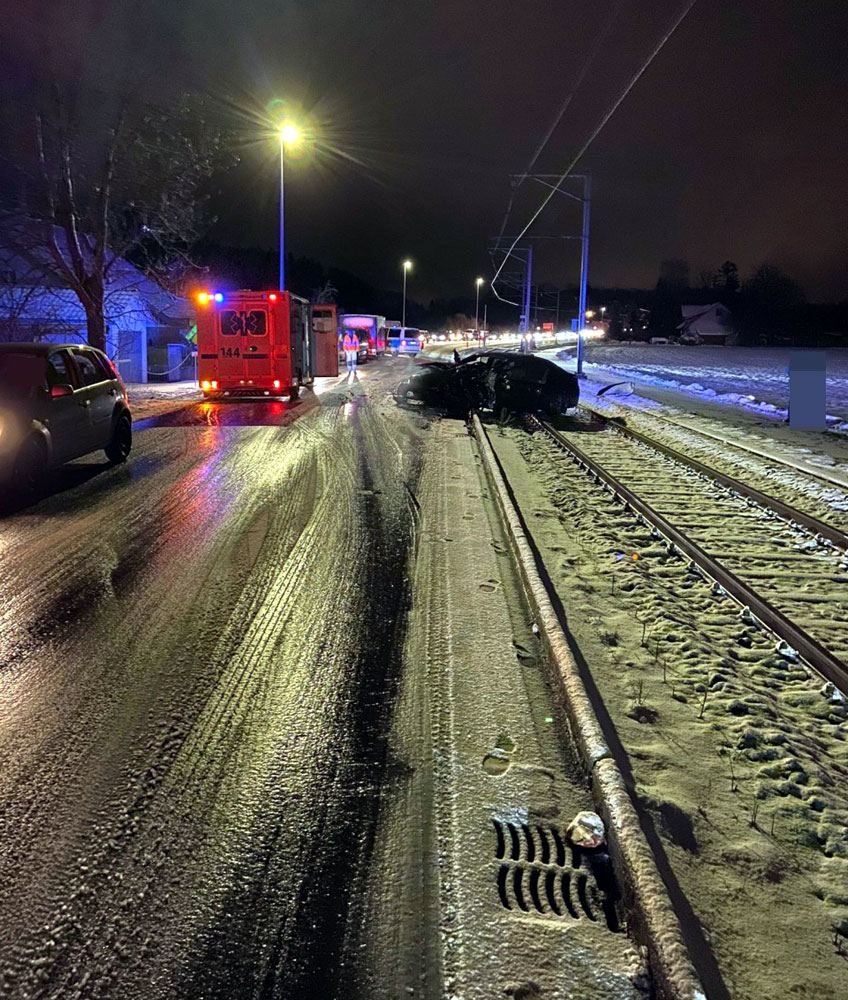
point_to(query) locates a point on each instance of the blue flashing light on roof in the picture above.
(219, 297)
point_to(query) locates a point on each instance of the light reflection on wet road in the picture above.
(199, 654)
(226, 413)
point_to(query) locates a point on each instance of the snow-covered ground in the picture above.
(715, 722)
(164, 390)
(752, 378)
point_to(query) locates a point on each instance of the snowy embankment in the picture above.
(752, 378)
(151, 399)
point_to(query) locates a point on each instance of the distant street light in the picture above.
(289, 136)
(478, 283)
(407, 264)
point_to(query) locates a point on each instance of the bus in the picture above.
(253, 343)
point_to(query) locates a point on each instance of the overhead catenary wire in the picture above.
(581, 76)
(555, 189)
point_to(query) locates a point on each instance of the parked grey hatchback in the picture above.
(57, 403)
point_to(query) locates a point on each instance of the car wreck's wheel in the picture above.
(119, 447)
(30, 475)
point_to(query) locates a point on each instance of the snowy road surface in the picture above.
(232, 763)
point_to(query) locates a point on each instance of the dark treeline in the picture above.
(767, 308)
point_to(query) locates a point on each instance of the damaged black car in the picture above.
(501, 381)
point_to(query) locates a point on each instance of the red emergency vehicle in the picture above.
(253, 343)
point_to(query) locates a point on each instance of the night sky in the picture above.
(733, 145)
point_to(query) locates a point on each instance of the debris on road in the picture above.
(586, 830)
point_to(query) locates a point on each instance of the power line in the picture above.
(559, 116)
(599, 41)
(610, 112)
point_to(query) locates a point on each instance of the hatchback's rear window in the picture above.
(21, 373)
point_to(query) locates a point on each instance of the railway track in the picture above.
(732, 747)
(784, 477)
(787, 569)
(797, 465)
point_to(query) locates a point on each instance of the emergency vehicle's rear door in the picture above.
(231, 346)
(257, 345)
(325, 336)
(301, 347)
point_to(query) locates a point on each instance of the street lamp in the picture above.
(407, 264)
(289, 136)
(478, 283)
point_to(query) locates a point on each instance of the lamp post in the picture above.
(407, 264)
(289, 135)
(478, 283)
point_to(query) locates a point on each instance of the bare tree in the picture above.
(328, 293)
(114, 178)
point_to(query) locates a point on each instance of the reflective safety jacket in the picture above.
(350, 342)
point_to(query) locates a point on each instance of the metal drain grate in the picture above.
(541, 873)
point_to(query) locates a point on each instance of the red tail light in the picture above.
(276, 383)
(214, 385)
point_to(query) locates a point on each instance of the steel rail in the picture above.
(816, 655)
(803, 469)
(785, 510)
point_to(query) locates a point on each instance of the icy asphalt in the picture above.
(249, 686)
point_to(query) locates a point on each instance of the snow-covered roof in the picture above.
(25, 262)
(712, 320)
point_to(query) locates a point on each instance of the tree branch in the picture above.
(102, 217)
(50, 222)
(69, 222)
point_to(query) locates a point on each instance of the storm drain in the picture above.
(540, 872)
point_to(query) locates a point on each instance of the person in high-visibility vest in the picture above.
(350, 346)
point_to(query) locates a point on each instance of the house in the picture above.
(148, 330)
(711, 324)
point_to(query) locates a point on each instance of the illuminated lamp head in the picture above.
(203, 298)
(219, 297)
(290, 134)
